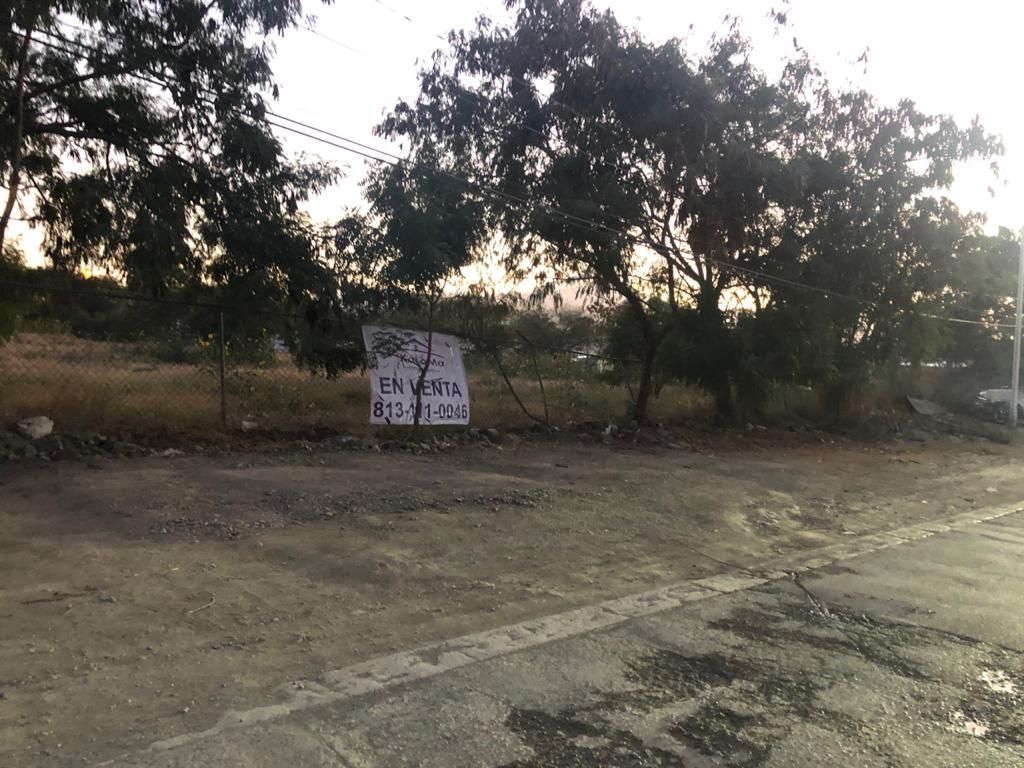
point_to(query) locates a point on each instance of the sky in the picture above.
(950, 57)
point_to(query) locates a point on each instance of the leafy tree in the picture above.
(604, 155)
(136, 135)
(12, 268)
(422, 228)
(877, 237)
(629, 152)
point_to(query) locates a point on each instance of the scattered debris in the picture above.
(56, 597)
(998, 681)
(202, 607)
(960, 723)
(126, 449)
(915, 435)
(925, 407)
(11, 444)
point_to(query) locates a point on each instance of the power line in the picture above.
(443, 39)
(328, 142)
(160, 84)
(473, 101)
(723, 265)
(545, 208)
(335, 41)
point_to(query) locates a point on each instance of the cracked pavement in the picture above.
(906, 656)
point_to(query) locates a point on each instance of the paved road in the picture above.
(912, 655)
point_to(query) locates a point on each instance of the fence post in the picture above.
(223, 391)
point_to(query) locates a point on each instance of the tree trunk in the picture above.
(423, 371)
(716, 352)
(672, 287)
(650, 348)
(725, 405)
(14, 176)
(646, 388)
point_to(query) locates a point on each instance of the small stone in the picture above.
(35, 427)
(122, 448)
(990, 489)
(49, 444)
(249, 424)
(493, 435)
(11, 444)
(107, 599)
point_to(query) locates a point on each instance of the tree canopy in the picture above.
(136, 135)
(647, 171)
(740, 228)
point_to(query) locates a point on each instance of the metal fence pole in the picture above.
(1015, 373)
(223, 391)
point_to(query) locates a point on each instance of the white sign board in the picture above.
(396, 359)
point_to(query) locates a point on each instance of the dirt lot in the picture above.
(140, 598)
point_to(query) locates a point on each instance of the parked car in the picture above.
(995, 404)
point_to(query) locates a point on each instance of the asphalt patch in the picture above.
(736, 711)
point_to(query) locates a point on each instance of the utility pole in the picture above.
(223, 390)
(1015, 375)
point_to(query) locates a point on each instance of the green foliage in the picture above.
(628, 148)
(425, 227)
(14, 302)
(139, 132)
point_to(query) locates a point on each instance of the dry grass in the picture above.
(91, 385)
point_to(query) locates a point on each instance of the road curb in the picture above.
(430, 660)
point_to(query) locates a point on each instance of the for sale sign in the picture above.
(397, 359)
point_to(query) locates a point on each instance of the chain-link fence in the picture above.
(98, 362)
